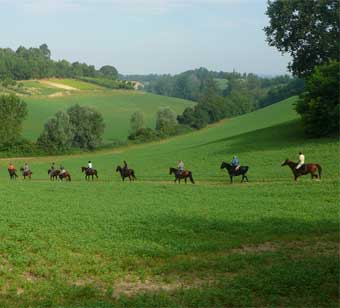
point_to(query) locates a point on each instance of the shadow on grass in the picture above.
(279, 282)
(270, 138)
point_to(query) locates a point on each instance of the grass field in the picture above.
(271, 242)
(116, 106)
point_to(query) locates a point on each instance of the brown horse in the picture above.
(303, 170)
(54, 174)
(12, 174)
(26, 173)
(126, 173)
(66, 175)
(182, 175)
(89, 172)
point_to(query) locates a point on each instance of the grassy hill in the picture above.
(46, 97)
(272, 242)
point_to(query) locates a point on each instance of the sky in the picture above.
(146, 36)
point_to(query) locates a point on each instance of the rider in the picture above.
(26, 168)
(301, 162)
(62, 169)
(89, 166)
(11, 167)
(52, 168)
(180, 167)
(235, 163)
(125, 168)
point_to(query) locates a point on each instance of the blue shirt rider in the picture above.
(235, 163)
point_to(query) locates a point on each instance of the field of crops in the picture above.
(116, 106)
(271, 242)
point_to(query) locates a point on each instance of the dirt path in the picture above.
(58, 85)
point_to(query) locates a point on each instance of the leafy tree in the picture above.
(12, 113)
(166, 120)
(306, 29)
(136, 121)
(319, 105)
(109, 72)
(57, 135)
(88, 126)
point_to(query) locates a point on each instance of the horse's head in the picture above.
(21, 168)
(225, 165)
(171, 170)
(285, 162)
(83, 169)
(49, 171)
(118, 169)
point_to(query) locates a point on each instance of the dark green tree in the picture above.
(306, 29)
(13, 111)
(109, 72)
(136, 121)
(319, 105)
(166, 120)
(57, 135)
(88, 126)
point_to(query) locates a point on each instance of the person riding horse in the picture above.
(235, 163)
(26, 169)
(12, 171)
(180, 167)
(89, 166)
(52, 168)
(301, 163)
(125, 168)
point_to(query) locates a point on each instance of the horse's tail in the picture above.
(69, 177)
(191, 178)
(319, 170)
(133, 174)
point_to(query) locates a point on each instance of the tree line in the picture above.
(36, 63)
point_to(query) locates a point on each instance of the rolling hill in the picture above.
(271, 242)
(45, 97)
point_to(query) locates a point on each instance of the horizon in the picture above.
(141, 37)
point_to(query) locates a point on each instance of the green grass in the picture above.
(116, 107)
(151, 243)
(34, 87)
(78, 84)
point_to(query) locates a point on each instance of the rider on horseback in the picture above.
(52, 168)
(180, 167)
(89, 166)
(62, 170)
(26, 169)
(125, 168)
(11, 167)
(235, 163)
(301, 162)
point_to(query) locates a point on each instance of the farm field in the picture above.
(52, 95)
(270, 242)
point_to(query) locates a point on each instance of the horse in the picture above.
(89, 172)
(26, 173)
(304, 170)
(126, 173)
(232, 172)
(54, 174)
(12, 174)
(182, 175)
(66, 175)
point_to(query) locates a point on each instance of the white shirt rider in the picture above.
(89, 165)
(301, 161)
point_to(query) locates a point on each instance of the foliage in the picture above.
(87, 125)
(108, 71)
(109, 83)
(306, 29)
(166, 120)
(137, 121)
(144, 135)
(319, 104)
(13, 111)
(58, 134)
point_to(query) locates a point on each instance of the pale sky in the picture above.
(146, 36)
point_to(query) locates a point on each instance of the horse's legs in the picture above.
(185, 179)
(231, 179)
(242, 178)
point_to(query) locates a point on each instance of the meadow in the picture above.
(151, 243)
(116, 106)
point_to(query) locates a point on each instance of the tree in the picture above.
(88, 126)
(166, 120)
(109, 71)
(13, 111)
(319, 105)
(57, 135)
(136, 121)
(306, 29)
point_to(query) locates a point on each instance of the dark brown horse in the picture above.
(26, 173)
(303, 170)
(66, 175)
(89, 172)
(126, 173)
(232, 172)
(54, 174)
(182, 175)
(12, 174)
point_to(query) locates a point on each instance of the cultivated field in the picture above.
(271, 242)
(52, 95)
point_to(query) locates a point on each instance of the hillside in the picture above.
(270, 242)
(46, 97)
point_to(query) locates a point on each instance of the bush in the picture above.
(319, 105)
